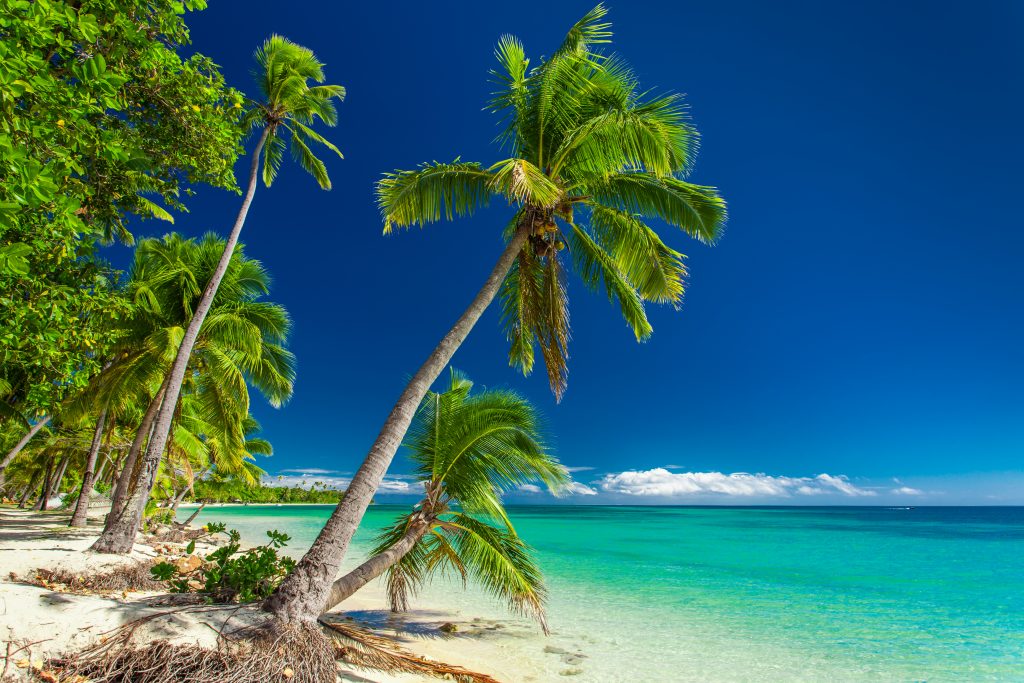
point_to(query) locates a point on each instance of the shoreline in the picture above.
(56, 622)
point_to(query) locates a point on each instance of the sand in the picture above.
(52, 623)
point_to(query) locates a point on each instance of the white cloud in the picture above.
(578, 469)
(660, 482)
(907, 491)
(577, 489)
(529, 488)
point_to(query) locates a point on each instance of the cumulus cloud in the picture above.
(530, 488)
(660, 482)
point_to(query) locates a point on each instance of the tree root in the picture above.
(267, 649)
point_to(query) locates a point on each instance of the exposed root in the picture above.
(131, 577)
(361, 648)
(296, 653)
(260, 649)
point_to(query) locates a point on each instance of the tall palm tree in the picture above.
(241, 342)
(289, 108)
(468, 450)
(593, 160)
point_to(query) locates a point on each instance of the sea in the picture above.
(739, 593)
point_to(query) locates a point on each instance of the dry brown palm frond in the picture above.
(129, 577)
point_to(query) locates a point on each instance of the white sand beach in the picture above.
(37, 623)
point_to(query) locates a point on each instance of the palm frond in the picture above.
(422, 196)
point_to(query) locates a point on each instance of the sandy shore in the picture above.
(56, 622)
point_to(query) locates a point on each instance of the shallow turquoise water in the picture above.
(751, 594)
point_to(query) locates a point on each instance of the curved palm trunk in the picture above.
(303, 594)
(81, 514)
(194, 514)
(23, 503)
(121, 534)
(13, 453)
(346, 586)
(124, 480)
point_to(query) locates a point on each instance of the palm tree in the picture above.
(289, 108)
(468, 450)
(241, 343)
(593, 160)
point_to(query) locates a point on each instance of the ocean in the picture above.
(743, 593)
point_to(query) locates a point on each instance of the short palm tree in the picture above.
(285, 116)
(593, 160)
(468, 450)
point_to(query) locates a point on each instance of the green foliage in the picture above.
(229, 574)
(231, 490)
(467, 450)
(291, 107)
(100, 119)
(594, 161)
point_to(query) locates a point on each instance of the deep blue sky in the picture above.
(861, 316)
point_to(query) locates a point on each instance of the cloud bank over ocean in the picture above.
(674, 485)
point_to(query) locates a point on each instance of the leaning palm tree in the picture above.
(593, 160)
(285, 116)
(468, 450)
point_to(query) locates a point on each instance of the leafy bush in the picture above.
(229, 574)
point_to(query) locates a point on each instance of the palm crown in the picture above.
(593, 160)
(467, 450)
(291, 106)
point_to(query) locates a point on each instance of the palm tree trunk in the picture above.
(303, 594)
(195, 514)
(125, 479)
(121, 534)
(81, 514)
(346, 586)
(59, 478)
(28, 491)
(41, 501)
(13, 453)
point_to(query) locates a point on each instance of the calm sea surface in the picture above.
(746, 594)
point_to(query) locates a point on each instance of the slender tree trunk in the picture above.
(303, 594)
(59, 478)
(121, 535)
(13, 453)
(195, 514)
(28, 491)
(346, 586)
(107, 462)
(125, 479)
(41, 501)
(81, 514)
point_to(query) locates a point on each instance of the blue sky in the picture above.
(860, 319)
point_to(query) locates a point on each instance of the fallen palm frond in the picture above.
(362, 648)
(129, 577)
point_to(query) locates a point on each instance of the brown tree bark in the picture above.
(81, 514)
(346, 586)
(128, 470)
